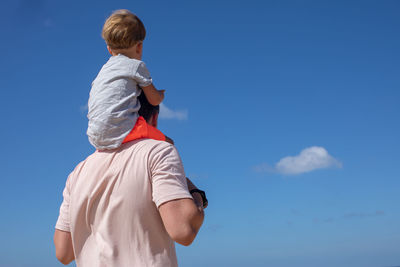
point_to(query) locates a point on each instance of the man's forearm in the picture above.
(198, 220)
(197, 197)
(63, 245)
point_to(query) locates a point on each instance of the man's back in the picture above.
(110, 205)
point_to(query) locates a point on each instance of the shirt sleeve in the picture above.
(63, 222)
(142, 75)
(167, 175)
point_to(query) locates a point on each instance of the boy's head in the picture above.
(123, 30)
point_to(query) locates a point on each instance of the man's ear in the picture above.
(154, 120)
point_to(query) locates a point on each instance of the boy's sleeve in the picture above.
(63, 222)
(167, 175)
(142, 75)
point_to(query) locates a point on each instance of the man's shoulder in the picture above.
(140, 146)
(149, 145)
(150, 149)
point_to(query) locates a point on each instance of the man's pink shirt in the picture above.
(111, 203)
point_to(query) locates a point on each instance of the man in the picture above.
(126, 207)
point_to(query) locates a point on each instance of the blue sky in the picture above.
(285, 112)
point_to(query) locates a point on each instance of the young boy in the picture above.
(113, 104)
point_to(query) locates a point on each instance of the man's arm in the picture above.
(196, 196)
(64, 249)
(62, 235)
(180, 214)
(182, 219)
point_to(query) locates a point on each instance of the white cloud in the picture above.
(308, 160)
(167, 113)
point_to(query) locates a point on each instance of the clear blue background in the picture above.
(261, 80)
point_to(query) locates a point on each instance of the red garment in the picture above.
(144, 130)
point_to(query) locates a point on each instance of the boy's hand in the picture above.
(161, 92)
(154, 96)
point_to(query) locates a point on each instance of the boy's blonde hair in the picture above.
(123, 29)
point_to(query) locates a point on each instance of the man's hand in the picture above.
(198, 200)
(196, 196)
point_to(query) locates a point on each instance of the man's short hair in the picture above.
(146, 109)
(123, 29)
